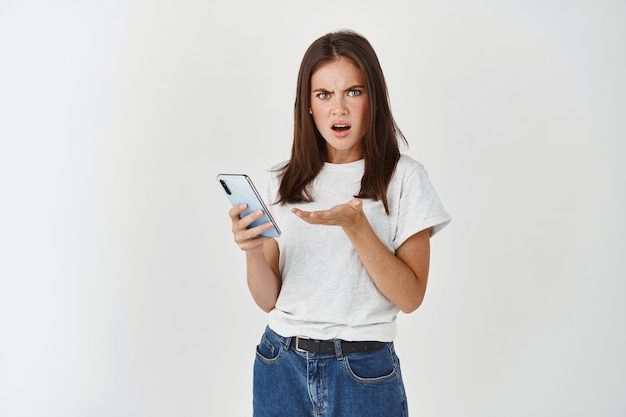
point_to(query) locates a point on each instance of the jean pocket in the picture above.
(372, 367)
(267, 351)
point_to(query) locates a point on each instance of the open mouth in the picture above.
(340, 128)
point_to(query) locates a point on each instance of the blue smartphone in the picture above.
(240, 189)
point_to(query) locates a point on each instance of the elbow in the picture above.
(411, 305)
(414, 299)
(408, 309)
(266, 307)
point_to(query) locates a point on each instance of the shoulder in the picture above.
(407, 166)
(279, 166)
(407, 161)
(273, 174)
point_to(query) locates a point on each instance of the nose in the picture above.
(339, 106)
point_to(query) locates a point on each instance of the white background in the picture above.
(121, 290)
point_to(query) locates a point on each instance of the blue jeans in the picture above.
(289, 383)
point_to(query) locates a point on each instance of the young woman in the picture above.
(357, 216)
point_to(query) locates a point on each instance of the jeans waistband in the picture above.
(332, 347)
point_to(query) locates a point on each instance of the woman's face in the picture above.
(339, 109)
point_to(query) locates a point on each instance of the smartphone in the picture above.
(240, 189)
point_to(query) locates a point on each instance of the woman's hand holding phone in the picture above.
(248, 238)
(251, 219)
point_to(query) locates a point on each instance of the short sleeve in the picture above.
(419, 207)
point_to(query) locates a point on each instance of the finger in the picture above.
(248, 238)
(298, 212)
(312, 217)
(257, 230)
(305, 215)
(245, 222)
(309, 214)
(236, 210)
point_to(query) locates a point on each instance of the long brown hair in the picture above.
(380, 142)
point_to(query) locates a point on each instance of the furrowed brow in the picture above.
(355, 87)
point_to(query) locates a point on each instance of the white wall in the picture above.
(121, 291)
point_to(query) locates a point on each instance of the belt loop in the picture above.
(287, 342)
(338, 351)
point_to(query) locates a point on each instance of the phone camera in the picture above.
(225, 187)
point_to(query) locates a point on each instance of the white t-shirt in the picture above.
(326, 292)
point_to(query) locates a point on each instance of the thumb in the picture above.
(355, 203)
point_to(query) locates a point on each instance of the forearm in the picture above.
(392, 276)
(263, 282)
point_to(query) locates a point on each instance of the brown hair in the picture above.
(380, 142)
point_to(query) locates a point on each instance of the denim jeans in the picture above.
(289, 383)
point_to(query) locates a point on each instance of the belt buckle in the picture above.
(298, 349)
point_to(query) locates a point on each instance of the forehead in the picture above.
(338, 71)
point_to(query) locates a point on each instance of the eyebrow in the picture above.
(353, 87)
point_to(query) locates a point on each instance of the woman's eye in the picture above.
(354, 93)
(323, 96)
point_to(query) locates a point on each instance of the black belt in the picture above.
(303, 344)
